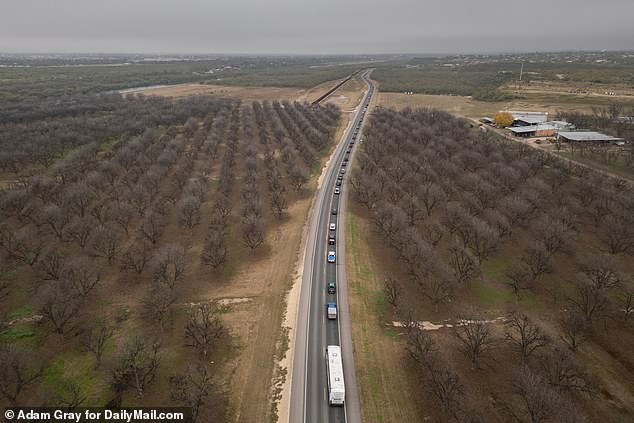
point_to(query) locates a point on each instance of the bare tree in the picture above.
(392, 291)
(82, 275)
(137, 257)
(152, 227)
(170, 265)
(445, 386)
(618, 234)
(463, 266)
(298, 177)
(59, 305)
(555, 235)
(79, 197)
(24, 245)
(598, 276)
(69, 395)
(526, 335)
(539, 401)
(253, 231)
(573, 330)
(80, 230)
(55, 218)
(191, 388)
(123, 216)
(215, 249)
(602, 270)
(589, 300)
(432, 196)
(439, 288)
(188, 211)
(135, 366)
(518, 278)
(102, 211)
(279, 201)
(223, 205)
(203, 328)
(52, 265)
(537, 260)
(158, 306)
(94, 339)
(107, 242)
(419, 343)
(565, 373)
(476, 339)
(17, 371)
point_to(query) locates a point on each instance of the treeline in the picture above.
(33, 138)
(480, 81)
(93, 226)
(448, 199)
(47, 79)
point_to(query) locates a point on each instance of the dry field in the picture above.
(247, 94)
(468, 107)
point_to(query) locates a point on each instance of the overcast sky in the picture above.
(314, 26)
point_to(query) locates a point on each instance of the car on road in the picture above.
(332, 288)
(340, 177)
(334, 211)
(331, 256)
(337, 190)
(333, 226)
(342, 171)
(331, 238)
(338, 183)
(332, 311)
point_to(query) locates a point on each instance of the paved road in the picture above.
(309, 403)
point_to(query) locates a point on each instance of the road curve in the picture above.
(309, 402)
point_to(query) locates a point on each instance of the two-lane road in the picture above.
(309, 390)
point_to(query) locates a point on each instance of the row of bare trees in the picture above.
(446, 198)
(102, 220)
(545, 377)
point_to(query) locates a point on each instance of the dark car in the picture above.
(334, 210)
(338, 182)
(331, 238)
(332, 287)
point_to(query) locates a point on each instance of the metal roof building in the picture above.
(529, 118)
(541, 130)
(587, 136)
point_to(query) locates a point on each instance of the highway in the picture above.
(309, 385)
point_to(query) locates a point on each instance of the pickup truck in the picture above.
(332, 311)
(332, 288)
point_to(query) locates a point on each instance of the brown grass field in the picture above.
(466, 106)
